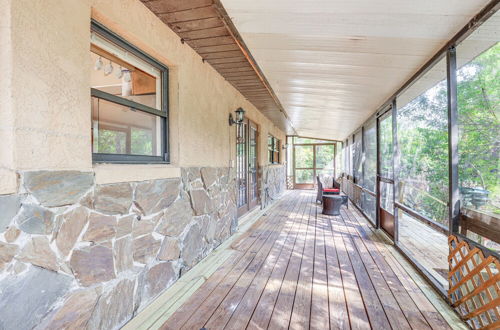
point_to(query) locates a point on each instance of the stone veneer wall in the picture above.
(74, 254)
(273, 183)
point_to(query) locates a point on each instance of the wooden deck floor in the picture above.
(298, 269)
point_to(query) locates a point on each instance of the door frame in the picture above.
(250, 204)
(385, 219)
(314, 168)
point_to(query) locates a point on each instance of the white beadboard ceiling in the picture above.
(332, 63)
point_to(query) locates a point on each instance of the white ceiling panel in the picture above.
(332, 63)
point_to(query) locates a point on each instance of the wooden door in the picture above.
(253, 192)
(385, 182)
(246, 166)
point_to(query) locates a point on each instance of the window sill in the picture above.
(118, 172)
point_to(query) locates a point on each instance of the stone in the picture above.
(34, 219)
(74, 313)
(93, 264)
(28, 297)
(88, 200)
(175, 218)
(143, 227)
(115, 307)
(170, 249)
(156, 195)
(113, 198)
(145, 248)
(123, 251)
(158, 278)
(190, 174)
(57, 188)
(7, 253)
(201, 202)
(209, 176)
(38, 252)
(124, 226)
(101, 228)
(10, 205)
(208, 226)
(73, 223)
(192, 246)
(11, 234)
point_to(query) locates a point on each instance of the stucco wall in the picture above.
(83, 244)
(46, 119)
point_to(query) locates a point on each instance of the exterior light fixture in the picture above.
(284, 146)
(240, 115)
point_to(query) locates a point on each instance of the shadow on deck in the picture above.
(296, 268)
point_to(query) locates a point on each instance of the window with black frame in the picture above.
(273, 145)
(129, 101)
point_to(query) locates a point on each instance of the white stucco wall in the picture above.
(45, 96)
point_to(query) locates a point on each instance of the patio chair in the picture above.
(325, 191)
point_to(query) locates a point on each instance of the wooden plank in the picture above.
(246, 68)
(155, 314)
(204, 33)
(358, 317)
(206, 308)
(379, 268)
(210, 41)
(167, 6)
(390, 308)
(182, 315)
(264, 309)
(243, 75)
(320, 313)
(282, 312)
(260, 268)
(260, 286)
(230, 65)
(224, 54)
(372, 303)
(188, 15)
(199, 24)
(339, 317)
(301, 312)
(219, 48)
(432, 316)
(227, 60)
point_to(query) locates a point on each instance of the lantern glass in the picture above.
(240, 114)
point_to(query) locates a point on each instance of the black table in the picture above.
(332, 204)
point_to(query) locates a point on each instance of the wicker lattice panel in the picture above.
(474, 285)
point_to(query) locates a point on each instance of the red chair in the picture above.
(325, 191)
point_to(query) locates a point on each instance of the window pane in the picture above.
(425, 245)
(357, 155)
(478, 90)
(117, 129)
(304, 176)
(423, 170)
(386, 148)
(368, 205)
(116, 71)
(423, 143)
(304, 157)
(386, 197)
(324, 156)
(338, 159)
(370, 169)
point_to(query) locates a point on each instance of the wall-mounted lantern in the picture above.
(240, 115)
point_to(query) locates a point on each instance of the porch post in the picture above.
(453, 194)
